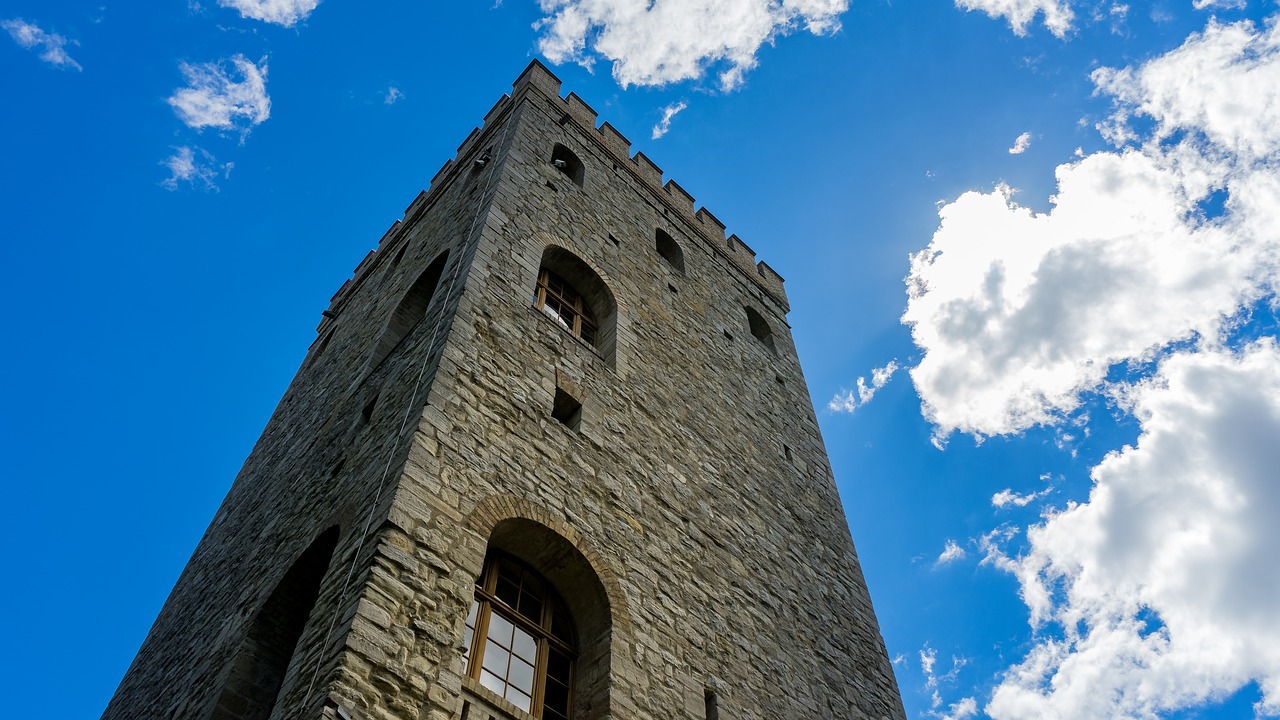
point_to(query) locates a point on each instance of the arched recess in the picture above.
(760, 328)
(411, 310)
(561, 564)
(563, 159)
(670, 251)
(594, 292)
(258, 670)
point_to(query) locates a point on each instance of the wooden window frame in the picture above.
(576, 314)
(487, 603)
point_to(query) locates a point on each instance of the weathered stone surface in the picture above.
(696, 487)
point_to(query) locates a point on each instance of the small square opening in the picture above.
(567, 410)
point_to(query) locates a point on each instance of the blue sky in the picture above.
(1031, 248)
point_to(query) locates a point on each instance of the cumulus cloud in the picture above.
(1163, 585)
(965, 708)
(280, 12)
(51, 46)
(1020, 314)
(848, 401)
(668, 112)
(665, 41)
(1021, 144)
(228, 95)
(1020, 13)
(950, 553)
(192, 167)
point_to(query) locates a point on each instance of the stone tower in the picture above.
(551, 455)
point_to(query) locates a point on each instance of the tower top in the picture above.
(537, 78)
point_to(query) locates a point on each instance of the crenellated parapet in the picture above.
(537, 76)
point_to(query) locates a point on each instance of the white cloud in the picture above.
(393, 94)
(663, 41)
(280, 12)
(1219, 4)
(1009, 497)
(668, 112)
(1163, 584)
(848, 401)
(215, 98)
(1021, 144)
(950, 553)
(1020, 13)
(52, 46)
(194, 167)
(966, 708)
(928, 656)
(1020, 313)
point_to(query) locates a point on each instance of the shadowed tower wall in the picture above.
(649, 460)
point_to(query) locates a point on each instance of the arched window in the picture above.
(260, 665)
(412, 308)
(760, 327)
(566, 162)
(577, 299)
(520, 642)
(559, 300)
(670, 251)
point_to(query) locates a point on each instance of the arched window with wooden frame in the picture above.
(520, 643)
(566, 306)
(575, 297)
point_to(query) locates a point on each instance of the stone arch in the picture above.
(262, 661)
(411, 309)
(581, 576)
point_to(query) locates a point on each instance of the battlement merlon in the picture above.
(537, 76)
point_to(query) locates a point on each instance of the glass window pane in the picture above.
(525, 646)
(531, 607)
(556, 698)
(507, 591)
(471, 616)
(558, 666)
(495, 659)
(519, 699)
(521, 675)
(500, 630)
(490, 681)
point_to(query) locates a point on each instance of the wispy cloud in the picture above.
(393, 94)
(950, 553)
(667, 41)
(51, 46)
(850, 400)
(668, 112)
(193, 167)
(1009, 497)
(279, 12)
(1020, 13)
(227, 95)
(1021, 144)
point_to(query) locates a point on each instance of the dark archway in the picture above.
(259, 668)
(411, 310)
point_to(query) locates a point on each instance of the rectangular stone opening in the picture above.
(567, 410)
